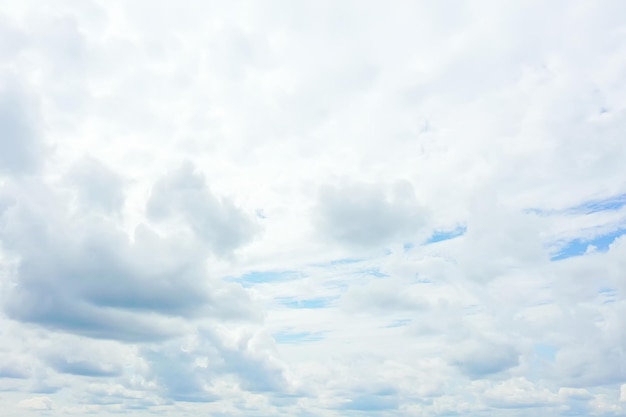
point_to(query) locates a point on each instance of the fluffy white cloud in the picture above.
(518, 393)
(312, 208)
(37, 403)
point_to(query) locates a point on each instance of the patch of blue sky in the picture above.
(594, 206)
(578, 247)
(261, 277)
(542, 353)
(539, 212)
(545, 352)
(338, 262)
(398, 323)
(372, 402)
(375, 272)
(612, 203)
(408, 246)
(338, 284)
(260, 214)
(422, 280)
(609, 295)
(441, 235)
(288, 337)
(309, 303)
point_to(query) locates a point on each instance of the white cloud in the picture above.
(37, 403)
(314, 208)
(519, 393)
(603, 405)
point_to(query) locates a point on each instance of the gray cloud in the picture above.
(9, 370)
(188, 371)
(363, 214)
(21, 147)
(178, 376)
(83, 367)
(183, 194)
(385, 296)
(98, 186)
(478, 360)
(86, 276)
(252, 360)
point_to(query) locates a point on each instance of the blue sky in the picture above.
(312, 208)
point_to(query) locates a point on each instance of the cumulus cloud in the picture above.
(85, 275)
(477, 360)
(184, 194)
(191, 371)
(369, 214)
(83, 368)
(79, 355)
(519, 393)
(380, 296)
(37, 403)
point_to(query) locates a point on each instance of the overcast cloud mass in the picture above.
(312, 208)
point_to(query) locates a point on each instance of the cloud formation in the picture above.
(369, 214)
(312, 208)
(183, 195)
(83, 274)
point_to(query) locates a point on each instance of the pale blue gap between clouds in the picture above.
(575, 247)
(543, 352)
(580, 246)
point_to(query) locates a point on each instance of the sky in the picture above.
(312, 208)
